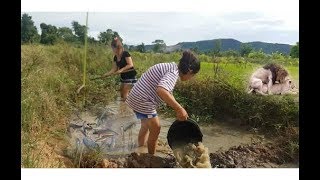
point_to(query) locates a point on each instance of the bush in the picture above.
(218, 98)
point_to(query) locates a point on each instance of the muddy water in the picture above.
(118, 117)
(222, 136)
(120, 129)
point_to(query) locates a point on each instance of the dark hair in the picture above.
(189, 62)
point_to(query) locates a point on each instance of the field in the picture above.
(50, 76)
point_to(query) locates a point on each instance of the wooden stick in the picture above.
(111, 74)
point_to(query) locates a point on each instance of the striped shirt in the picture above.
(143, 97)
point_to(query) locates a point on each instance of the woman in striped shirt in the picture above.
(155, 87)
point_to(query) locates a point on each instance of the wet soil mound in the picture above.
(248, 156)
(144, 160)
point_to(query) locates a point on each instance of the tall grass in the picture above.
(218, 98)
(50, 76)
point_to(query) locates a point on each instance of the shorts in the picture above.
(128, 81)
(144, 116)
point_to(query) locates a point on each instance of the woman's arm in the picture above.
(113, 69)
(167, 97)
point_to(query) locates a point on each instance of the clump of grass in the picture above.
(288, 142)
(90, 158)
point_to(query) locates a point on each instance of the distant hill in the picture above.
(268, 48)
(228, 44)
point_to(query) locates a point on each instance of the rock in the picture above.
(109, 164)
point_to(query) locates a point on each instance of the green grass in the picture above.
(237, 74)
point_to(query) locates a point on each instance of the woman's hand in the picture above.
(107, 74)
(182, 114)
(168, 98)
(119, 71)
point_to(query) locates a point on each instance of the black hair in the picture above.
(189, 62)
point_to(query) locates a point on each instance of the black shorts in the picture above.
(128, 81)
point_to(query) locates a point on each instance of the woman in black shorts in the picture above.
(123, 65)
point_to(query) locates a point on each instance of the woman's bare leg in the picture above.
(154, 131)
(124, 90)
(143, 133)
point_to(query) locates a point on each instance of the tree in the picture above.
(141, 48)
(196, 49)
(79, 30)
(294, 51)
(217, 47)
(105, 37)
(92, 40)
(277, 55)
(245, 49)
(49, 34)
(132, 48)
(29, 33)
(126, 47)
(257, 54)
(230, 53)
(159, 45)
(66, 34)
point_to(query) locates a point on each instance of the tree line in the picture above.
(51, 34)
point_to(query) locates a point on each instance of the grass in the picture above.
(220, 89)
(237, 74)
(50, 76)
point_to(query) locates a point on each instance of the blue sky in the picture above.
(274, 24)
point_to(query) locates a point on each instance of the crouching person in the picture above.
(155, 87)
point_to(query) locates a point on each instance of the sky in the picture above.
(260, 20)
